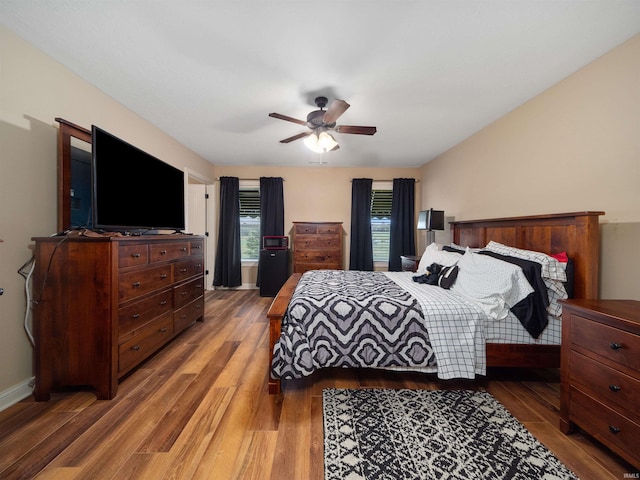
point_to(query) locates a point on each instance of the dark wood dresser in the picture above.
(317, 246)
(102, 305)
(600, 372)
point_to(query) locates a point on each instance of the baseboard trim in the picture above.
(16, 393)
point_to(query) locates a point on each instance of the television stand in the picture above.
(104, 304)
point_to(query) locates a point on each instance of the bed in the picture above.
(577, 234)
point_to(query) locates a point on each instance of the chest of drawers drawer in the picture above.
(188, 314)
(135, 315)
(141, 281)
(151, 337)
(133, 255)
(608, 342)
(191, 267)
(163, 252)
(187, 292)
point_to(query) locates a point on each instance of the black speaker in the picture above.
(274, 271)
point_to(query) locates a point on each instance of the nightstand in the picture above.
(600, 372)
(409, 263)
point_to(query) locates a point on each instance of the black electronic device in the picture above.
(274, 242)
(133, 190)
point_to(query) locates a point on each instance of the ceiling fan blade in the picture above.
(288, 119)
(296, 137)
(356, 130)
(337, 108)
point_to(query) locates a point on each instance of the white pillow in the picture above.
(495, 285)
(551, 268)
(433, 254)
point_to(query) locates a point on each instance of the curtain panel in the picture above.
(361, 244)
(271, 210)
(228, 266)
(402, 239)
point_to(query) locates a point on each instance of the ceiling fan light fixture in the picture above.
(320, 143)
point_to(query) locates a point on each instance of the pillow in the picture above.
(494, 285)
(433, 254)
(551, 268)
(553, 273)
(561, 257)
(447, 276)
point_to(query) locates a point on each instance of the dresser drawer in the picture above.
(305, 267)
(607, 426)
(605, 384)
(311, 256)
(184, 269)
(133, 255)
(196, 247)
(615, 344)
(305, 228)
(139, 282)
(187, 292)
(134, 316)
(148, 340)
(188, 314)
(317, 242)
(163, 252)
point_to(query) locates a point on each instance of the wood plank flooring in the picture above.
(199, 409)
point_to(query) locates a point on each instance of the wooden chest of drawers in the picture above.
(317, 246)
(105, 304)
(600, 372)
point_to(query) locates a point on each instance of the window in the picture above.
(381, 223)
(249, 223)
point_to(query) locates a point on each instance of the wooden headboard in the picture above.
(578, 234)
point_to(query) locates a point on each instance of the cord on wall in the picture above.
(27, 288)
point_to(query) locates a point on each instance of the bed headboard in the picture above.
(578, 234)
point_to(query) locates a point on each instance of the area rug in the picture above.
(429, 434)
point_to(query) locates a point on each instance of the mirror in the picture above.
(74, 176)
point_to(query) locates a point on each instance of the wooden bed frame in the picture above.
(578, 234)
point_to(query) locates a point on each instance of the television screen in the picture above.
(133, 190)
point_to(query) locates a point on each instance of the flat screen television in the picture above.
(133, 191)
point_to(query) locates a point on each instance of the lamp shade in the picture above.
(431, 220)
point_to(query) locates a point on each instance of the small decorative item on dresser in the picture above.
(600, 372)
(409, 263)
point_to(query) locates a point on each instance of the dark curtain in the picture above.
(361, 246)
(228, 271)
(271, 209)
(402, 239)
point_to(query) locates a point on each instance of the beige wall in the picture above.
(317, 194)
(575, 147)
(33, 91)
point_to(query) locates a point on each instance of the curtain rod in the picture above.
(252, 179)
(376, 180)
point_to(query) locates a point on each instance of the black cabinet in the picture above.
(274, 271)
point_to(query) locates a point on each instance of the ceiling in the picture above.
(427, 74)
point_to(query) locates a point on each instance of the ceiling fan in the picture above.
(320, 122)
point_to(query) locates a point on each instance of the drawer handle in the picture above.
(183, 249)
(135, 348)
(613, 429)
(615, 346)
(163, 330)
(183, 270)
(136, 284)
(197, 246)
(135, 255)
(163, 276)
(182, 317)
(199, 265)
(184, 293)
(615, 388)
(163, 252)
(135, 315)
(163, 303)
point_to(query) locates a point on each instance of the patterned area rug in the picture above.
(429, 434)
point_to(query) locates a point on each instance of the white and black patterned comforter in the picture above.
(339, 318)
